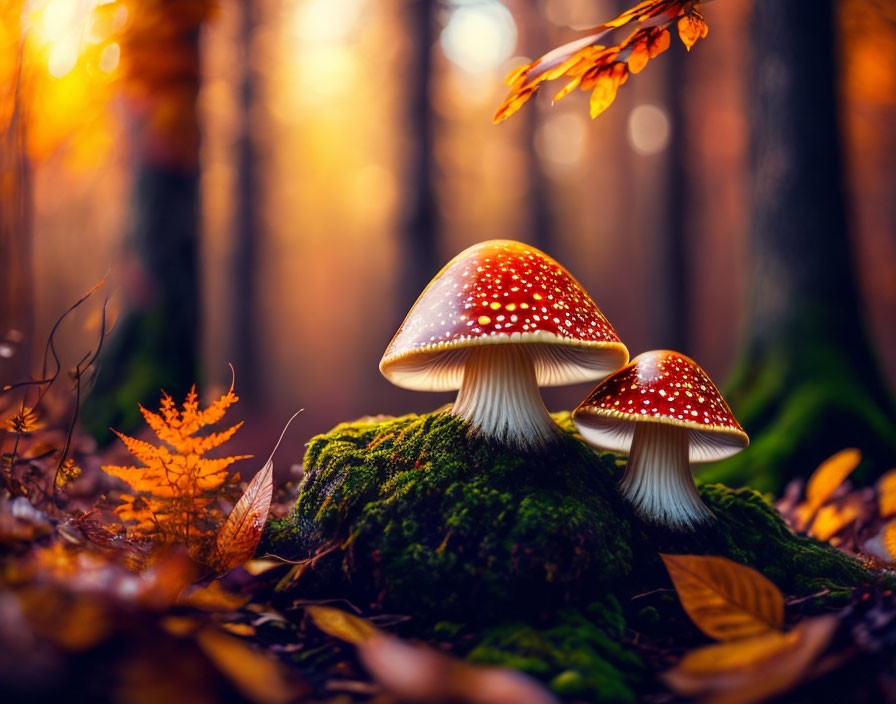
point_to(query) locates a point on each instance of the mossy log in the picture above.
(536, 554)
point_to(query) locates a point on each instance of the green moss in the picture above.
(583, 654)
(536, 557)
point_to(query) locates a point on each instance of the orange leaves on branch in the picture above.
(724, 599)
(601, 69)
(176, 486)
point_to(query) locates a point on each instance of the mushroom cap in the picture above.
(496, 293)
(661, 387)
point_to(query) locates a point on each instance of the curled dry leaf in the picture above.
(242, 530)
(724, 599)
(752, 669)
(824, 481)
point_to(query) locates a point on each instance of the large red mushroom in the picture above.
(665, 413)
(498, 321)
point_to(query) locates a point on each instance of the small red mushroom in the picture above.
(665, 413)
(498, 321)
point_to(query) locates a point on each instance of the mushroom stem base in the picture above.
(658, 477)
(499, 396)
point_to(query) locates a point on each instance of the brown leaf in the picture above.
(751, 669)
(341, 624)
(829, 475)
(413, 672)
(241, 532)
(259, 677)
(724, 599)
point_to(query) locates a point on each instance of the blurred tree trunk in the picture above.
(244, 258)
(155, 343)
(672, 317)
(16, 212)
(807, 383)
(538, 191)
(418, 235)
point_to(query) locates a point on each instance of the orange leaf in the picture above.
(341, 624)
(638, 58)
(724, 599)
(833, 518)
(691, 28)
(886, 493)
(752, 669)
(889, 535)
(829, 475)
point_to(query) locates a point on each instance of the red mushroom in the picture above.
(665, 413)
(498, 321)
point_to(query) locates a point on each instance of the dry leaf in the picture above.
(341, 624)
(889, 538)
(241, 532)
(417, 673)
(824, 481)
(833, 518)
(724, 599)
(258, 677)
(751, 669)
(213, 598)
(886, 492)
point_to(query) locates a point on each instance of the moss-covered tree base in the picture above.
(536, 555)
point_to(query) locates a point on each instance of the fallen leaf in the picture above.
(889, 534)
(724, 599)
(258, 677)
(213, 598)
(240, 534)
(413, 672)
(833, 518)
(824, 481)
(886, 492)
(751, 669)
(341, 624)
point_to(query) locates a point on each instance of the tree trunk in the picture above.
(16, 211)
(244, 258)
(807, 383)
(418, 234)
(155, 344)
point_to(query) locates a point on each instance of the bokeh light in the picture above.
(648, 129)
(479, 36)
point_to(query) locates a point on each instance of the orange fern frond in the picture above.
(176, 487)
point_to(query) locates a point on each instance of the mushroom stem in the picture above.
(658, 477)
(499, 396)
